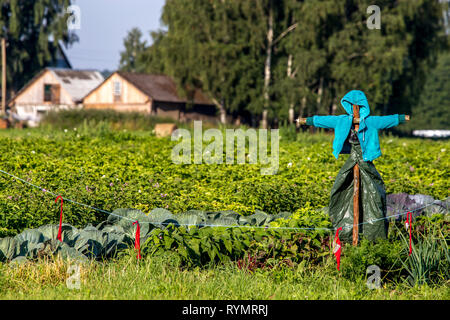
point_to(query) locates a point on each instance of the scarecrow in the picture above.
(358, 196)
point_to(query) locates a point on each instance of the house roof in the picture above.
(77, 83)
(161, 88)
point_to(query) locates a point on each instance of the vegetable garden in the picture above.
(283, 234)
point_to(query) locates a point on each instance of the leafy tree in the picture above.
(431, 112)
(219, 50)
(280, 58)
(227, 50)
(134, 46)
(152, 59)
(32, 30)
(389, 63)
(302, 71)
(332, 51)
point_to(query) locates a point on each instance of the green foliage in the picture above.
(319, 51)
(272, 198)
(100, 119)
(431, 111)
(199, 247)
(250, 247)
(430, 259)
(3, 280)
(111, 169)
(159, 277)
(383, 253)
(134, 46)
(221, 50)
(288, 132)
(28, 27)
(428, 264)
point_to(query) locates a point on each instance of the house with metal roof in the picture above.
(153, 94)
(53, 89)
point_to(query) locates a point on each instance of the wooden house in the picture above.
(59, 60)
(149, 93)
(53, 89)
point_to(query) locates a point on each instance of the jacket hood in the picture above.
(359, 98)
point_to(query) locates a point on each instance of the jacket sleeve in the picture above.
(385, 122)
(327, 122)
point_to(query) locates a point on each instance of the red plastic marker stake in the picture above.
(337, 247)
(60, 218)
(137, 239)
(408, 223)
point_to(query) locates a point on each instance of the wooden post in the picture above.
(3, 76)
(356, 183)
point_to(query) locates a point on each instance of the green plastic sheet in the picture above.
(372, 199)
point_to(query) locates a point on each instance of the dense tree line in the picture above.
(277, 60)
(434, 103)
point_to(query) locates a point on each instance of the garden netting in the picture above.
(117, 232)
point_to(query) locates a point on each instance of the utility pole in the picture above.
(3, 75)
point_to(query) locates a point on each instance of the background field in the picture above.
(120, 168)
(133, 169)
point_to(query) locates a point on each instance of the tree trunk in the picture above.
(302, 106)
(264, 119)
(223, 114)
(333, 107)
(289, 66)
(289, 75)
(291, 113)
(267, 70)
(319, 93)
(222, 111)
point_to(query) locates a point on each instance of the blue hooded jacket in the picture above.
(368, 126)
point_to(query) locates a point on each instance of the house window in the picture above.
(47, 92)
(117, 90)
(51, 93)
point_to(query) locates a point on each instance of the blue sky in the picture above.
(104, 25)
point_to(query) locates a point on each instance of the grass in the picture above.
(161, 278)
(68, 119)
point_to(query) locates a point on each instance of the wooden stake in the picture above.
(356, 181)
(3, 75)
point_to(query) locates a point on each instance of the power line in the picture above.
(91, 59)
